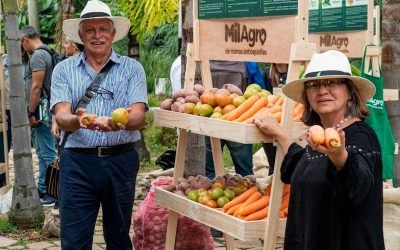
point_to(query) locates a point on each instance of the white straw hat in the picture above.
(328, 65)
(96, 9)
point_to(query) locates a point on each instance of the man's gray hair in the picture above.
(29, 32)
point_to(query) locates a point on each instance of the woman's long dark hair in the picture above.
(355, 106)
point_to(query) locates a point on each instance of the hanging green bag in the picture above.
(379, 121)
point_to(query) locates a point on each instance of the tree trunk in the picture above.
(26, 209)
(66, 12)
(33, 10)
(391, 68)
(195, 155)
(133, 52)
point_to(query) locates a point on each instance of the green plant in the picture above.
(158, 52)
(6, 226)
(145, 15)
(158, 140)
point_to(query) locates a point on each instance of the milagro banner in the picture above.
(257, 39)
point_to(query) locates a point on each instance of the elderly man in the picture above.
(98, 165)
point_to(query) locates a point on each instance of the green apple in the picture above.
(250, 92)
(264, 92)
(255, 86)
(238, 100)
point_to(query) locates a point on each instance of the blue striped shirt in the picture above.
(126, 80)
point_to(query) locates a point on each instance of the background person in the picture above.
(336, 193)
(99, 164)
(38, 81)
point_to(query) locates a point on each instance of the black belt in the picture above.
(105, 151)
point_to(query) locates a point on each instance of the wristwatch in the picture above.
(31, 114)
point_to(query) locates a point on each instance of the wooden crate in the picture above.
(240, 229)
(228, 130)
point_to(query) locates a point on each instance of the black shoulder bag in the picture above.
(52, 172)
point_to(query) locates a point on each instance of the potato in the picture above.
(192, 99)
(183, 186)
(166, 104)
(223, 91)
(213, 90)
(176, 106)
(191, 92)
(178, 93)
(170, 188)
(252, 178)
(230, 184)
(180, 180)
(180, 99)
(199, 89)
(232, 88)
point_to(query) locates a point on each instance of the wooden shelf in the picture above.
(232, 131)
(240, 229)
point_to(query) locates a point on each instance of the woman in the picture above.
(71, 48)
(336, 194)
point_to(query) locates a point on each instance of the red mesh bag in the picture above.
(151, 220)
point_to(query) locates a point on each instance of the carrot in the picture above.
(285, 212)
(233, 209)
(246, 105)
(279, 101)
(259, 215)
(275, 109)
(317, 134)
(298, 109)
(285, 202)
(297, 118)
(250, 120)
(271, 100)
(281, 215)
(267, 190)
(278, 116)
(241, 198)
(255, 206)
(332, 138)
(259, 104)
(254, 197)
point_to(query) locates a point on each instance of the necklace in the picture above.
(339, 125)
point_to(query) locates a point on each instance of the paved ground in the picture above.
(98, 240)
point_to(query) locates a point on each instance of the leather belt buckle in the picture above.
(102, 152)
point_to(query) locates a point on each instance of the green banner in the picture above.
(215, 9)
(337, 15)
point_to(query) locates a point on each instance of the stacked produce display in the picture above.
(233, 194)
(229, 103)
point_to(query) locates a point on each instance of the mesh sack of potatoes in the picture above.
(151, 220)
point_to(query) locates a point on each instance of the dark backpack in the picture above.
(56, 58)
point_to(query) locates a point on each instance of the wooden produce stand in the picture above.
(4, 167)
(214, 46)
(221, 39)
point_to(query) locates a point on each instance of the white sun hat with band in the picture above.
(331, 64)
(95, 9)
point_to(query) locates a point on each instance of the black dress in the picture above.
(335, 210)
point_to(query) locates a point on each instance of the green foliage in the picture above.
(145, 15)
(158, 52)
(48, 13)
(158, 140)
(6, 226)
